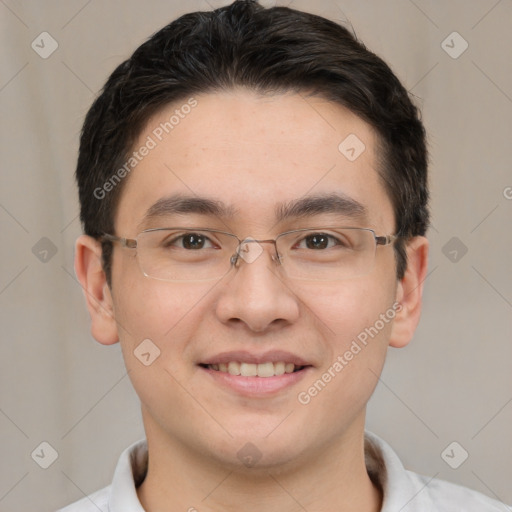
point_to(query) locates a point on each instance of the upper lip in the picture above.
(273, 356)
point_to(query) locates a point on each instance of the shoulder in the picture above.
(448, 497)
(95, 502)
(412, 492)
(121, 494)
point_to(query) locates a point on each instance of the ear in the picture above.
(89, 272)
(409, 293)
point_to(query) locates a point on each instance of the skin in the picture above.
(253, 152)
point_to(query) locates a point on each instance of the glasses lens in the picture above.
(185, 255)
(327, 254)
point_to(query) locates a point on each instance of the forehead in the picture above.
(255, 155)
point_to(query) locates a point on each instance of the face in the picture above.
(254, 154)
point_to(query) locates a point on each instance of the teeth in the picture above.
(252, 370)
(265, 369)
(233, 368)
(248, 370)
(279, 368)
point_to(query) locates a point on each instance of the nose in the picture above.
(256, 292)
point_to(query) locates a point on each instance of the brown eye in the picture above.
(189, 241)
(194, 241)
(318, 241)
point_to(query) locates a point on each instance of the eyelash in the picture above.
(169, 242)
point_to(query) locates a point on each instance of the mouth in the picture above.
(263, 370)
(256, 375)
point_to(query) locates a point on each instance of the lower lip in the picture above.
(257, 386)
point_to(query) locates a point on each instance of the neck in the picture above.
(334, 479)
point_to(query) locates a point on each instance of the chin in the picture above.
(252, 452)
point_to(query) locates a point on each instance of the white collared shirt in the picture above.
(404, 491)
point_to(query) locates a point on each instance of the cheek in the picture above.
(354, 348)
(157, 322)
(166, 313)
(345, 309)
(355, 318)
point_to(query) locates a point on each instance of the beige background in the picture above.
(453, 383)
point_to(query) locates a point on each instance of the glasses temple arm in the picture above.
(386, 239)
(125, 242)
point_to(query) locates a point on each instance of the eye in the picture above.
(319, 241)
(189, 241)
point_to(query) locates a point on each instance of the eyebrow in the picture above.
(181, 204)
(308, 206)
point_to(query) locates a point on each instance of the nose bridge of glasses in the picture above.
(251, 249)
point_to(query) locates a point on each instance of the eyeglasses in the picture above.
(201, 254)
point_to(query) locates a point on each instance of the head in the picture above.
(247, 107)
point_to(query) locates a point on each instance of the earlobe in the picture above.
(409, 293)
(97, 294)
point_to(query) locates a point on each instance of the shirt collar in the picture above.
(129, 474)
(401, 492)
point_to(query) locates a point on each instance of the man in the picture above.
(253, 188)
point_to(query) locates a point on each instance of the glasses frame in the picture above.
(132, 243)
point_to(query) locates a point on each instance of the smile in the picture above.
(265, 370)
